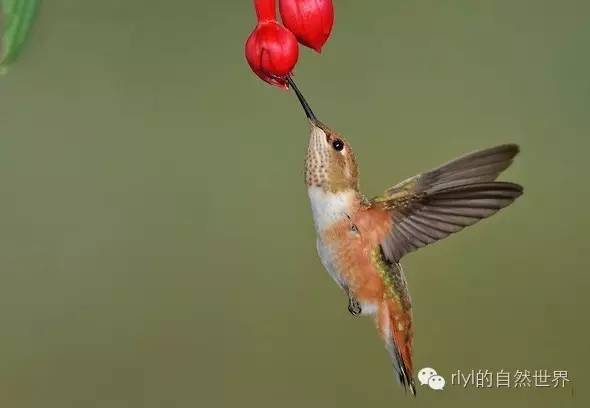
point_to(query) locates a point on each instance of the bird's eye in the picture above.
(338, 145)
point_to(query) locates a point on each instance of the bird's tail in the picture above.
(395, 326)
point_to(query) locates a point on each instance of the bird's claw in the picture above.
(354, 307)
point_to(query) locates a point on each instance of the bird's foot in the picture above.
(354, 307)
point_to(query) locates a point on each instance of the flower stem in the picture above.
(265, 10)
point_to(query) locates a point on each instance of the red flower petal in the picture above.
(272, 52)
(310, 20)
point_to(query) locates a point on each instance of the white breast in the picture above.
(329, 207)
(327, 259)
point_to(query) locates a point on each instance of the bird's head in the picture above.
(330, 163)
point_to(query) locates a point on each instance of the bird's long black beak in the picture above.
(308, 112)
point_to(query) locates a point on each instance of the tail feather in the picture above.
(395, 326)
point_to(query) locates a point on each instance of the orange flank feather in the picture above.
(353, 241)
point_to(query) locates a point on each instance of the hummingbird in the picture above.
(361, 241)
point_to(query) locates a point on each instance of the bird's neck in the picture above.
(331, 207)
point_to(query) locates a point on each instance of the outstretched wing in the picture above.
(435, 204)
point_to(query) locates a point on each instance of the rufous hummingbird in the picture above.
(361, 241)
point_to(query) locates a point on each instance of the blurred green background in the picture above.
(156, 244)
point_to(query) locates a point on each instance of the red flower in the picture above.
(310, 20)
(271, 49)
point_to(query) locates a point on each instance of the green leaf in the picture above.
(18, 16)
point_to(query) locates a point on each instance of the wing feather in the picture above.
(431, 206)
